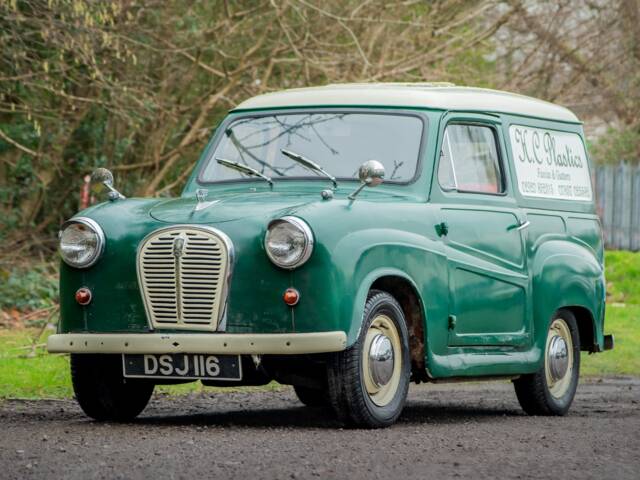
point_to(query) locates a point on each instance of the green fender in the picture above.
(361, 298)
(413, 257)
(566, 274)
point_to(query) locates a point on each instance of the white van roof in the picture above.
(426, 95)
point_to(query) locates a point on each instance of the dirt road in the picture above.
(462, 430)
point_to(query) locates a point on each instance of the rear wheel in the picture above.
(550, 390)
(368, 383)
(102, 391)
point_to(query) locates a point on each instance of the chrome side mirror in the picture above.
(371, 174)
(102, 179)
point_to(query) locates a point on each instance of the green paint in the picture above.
(461, 252)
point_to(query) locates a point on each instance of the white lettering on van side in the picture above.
(550, 164)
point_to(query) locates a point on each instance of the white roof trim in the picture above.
(423, 95)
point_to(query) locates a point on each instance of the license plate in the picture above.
(185, 366)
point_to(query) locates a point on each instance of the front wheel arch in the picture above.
(380, 276)
(406, 294)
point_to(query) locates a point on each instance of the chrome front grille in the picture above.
(183, 273)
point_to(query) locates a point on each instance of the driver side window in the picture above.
(469, 160)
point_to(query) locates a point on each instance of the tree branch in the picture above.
(19, 146)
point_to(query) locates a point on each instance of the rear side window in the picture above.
(469, 160)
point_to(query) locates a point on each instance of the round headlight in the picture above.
(289, 242)
(81, 242)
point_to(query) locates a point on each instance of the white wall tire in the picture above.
(550, 390)
(368, 382)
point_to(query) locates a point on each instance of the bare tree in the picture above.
(137, 85)
(581, 53)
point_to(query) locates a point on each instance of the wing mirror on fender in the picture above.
(102, 179)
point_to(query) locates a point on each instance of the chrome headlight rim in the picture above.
(93, 225)
(308, 246)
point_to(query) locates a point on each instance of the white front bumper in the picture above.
(220, 343)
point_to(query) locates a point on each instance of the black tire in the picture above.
(312, 397)
(347, 391)
(533, 390)
(101, 390)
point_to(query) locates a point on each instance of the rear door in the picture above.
(483, 232)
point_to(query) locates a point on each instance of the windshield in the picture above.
(338, 142)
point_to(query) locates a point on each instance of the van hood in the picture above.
(229, 207)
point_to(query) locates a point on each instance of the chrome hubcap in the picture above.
(559, 361)
(558, 357)
(381, 360)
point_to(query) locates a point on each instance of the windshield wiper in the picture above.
(243, 169)
(311, 165)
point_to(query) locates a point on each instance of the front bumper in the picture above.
(213, 343)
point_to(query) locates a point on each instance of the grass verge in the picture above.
(622, 270)
(31, 373)
(623, 320)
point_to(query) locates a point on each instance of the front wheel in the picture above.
(368, 383)
(102, 391)
(550, 390)
(312, 397)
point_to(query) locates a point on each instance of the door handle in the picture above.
(523, 225)
(442, 229)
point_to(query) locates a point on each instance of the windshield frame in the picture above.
(208, 155)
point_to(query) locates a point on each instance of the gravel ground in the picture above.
(447, 430)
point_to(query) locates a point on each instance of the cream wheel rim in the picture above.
(558, 363)
(382, 393)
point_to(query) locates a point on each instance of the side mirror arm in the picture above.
(371, 174)
(354, 194)
(113, 194)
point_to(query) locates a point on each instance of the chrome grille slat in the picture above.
(187, 291)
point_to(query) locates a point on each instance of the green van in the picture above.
(478, 255)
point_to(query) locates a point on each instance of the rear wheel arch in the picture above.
(568, 276)
(586, 326)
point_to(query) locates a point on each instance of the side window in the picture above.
(469, 160)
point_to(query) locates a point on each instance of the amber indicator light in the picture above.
(291, 296)
(83, 296)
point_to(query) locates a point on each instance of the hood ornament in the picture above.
(201, 197)
(201, 194)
